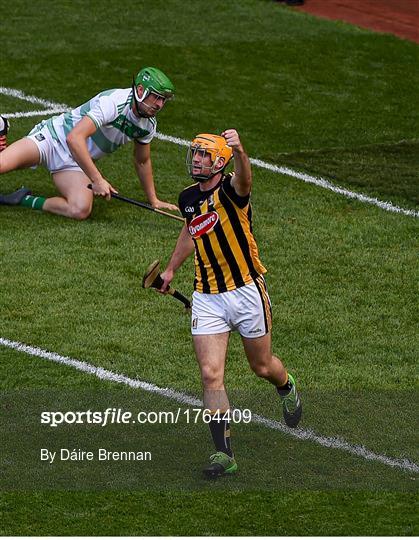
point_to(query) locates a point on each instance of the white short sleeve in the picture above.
(103, 111)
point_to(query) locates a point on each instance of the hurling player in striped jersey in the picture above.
(69, 144)
(230, 290)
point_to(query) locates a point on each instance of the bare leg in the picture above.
(76, 200)
(262, 361)
(211, 352)
(19, 155)
(269, 367)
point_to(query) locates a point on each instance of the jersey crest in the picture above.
(128, 128)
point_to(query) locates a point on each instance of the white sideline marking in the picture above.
(318, 181)
(18, 94)
(28, 114)
(322, 182)
(302, 434)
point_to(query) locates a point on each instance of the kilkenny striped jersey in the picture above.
(220, 223)
(112, 114)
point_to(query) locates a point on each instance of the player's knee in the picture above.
(79, 212)
(5, 165)
(261, 370)
(211, 378)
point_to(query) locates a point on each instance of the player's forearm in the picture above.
(80, 153)
(145, 174)
(184, 248)
(242, 167)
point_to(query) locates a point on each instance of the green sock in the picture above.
(33, 202)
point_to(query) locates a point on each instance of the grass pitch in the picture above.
(326, 98)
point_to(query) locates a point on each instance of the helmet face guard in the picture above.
(147, 108)
(195, 160)
(202, 147)
(154, 82)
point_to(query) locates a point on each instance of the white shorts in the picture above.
(246, 309)
(53, 155)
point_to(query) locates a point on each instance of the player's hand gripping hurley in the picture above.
(152, 279)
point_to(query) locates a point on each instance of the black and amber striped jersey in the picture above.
(220, 224)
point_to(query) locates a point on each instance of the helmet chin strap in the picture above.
(138, 100)
(202, 179)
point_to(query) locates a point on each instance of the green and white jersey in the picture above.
(112, 115)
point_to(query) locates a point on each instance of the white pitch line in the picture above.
(318, 181)
(28, 114)
(18, 94)
(301, 434)
(322, 182)
(286, 171)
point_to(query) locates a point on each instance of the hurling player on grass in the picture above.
(69, 144)
(230, 291)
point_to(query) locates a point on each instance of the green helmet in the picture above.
(154, 80)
